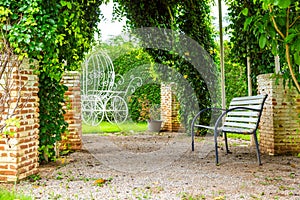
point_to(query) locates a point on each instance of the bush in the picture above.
(141, 101)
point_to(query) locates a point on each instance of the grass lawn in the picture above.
(106, 127)
(238, 136)
(131, 127)
(241, 136)
(8, 195)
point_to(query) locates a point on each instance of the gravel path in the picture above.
(163, 167)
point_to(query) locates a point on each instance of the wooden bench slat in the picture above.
(243, 114)
(242, 119)
(203, 126)
(237, 130)
(248, 102)
(246, 106)
(228, 129)
(248, 98)
(243, 125)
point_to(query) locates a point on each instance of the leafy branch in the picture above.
(285, 37)
(278, 16)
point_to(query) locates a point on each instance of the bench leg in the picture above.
(226, 143)
(216, 147)
(257, 149)
(193, 137)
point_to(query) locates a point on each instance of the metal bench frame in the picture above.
(242, 117)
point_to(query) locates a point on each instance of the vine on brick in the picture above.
(53, 33)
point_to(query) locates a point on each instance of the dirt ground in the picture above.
(162, 166)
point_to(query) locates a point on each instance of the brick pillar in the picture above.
(19, 152)
(279, 128)
(169, 108)
(72, 140)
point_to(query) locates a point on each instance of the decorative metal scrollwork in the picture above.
(100, 97)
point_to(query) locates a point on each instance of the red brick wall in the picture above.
(72, 139)
(169, 108)
(280, 122)
(19, 154)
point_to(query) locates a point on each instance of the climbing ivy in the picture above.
(192, 18)
(56, 34)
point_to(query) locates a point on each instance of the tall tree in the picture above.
(244, 41)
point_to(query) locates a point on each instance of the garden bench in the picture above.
(242, 117)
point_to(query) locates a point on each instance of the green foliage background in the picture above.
(243, 44)
(235, 76)
(276, 27)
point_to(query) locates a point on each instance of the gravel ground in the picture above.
(148, 166)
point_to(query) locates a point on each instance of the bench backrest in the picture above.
(245, 119)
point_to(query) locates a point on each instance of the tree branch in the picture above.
(292, 24)
(275, 24)
(287, 21)
(287, 54)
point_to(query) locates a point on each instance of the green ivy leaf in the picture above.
(6, 27)
(284, 3)
(69, 5)
(63, 3)
(290, 38)
(245, 12)
(262, 41)
(247, 22)
(297, 58)
(51, 21)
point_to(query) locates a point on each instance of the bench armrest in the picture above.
(204, 110)
(197, 116)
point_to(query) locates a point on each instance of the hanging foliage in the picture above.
(53, 33)
(191, 18)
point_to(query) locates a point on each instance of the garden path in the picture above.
(163, 167)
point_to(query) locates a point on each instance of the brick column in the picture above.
(279, 128)
(169, 108)
(72, 140)
(19, 153)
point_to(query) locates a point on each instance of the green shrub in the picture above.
(141, 101)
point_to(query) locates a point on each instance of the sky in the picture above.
(110, 29)
(107, 26)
